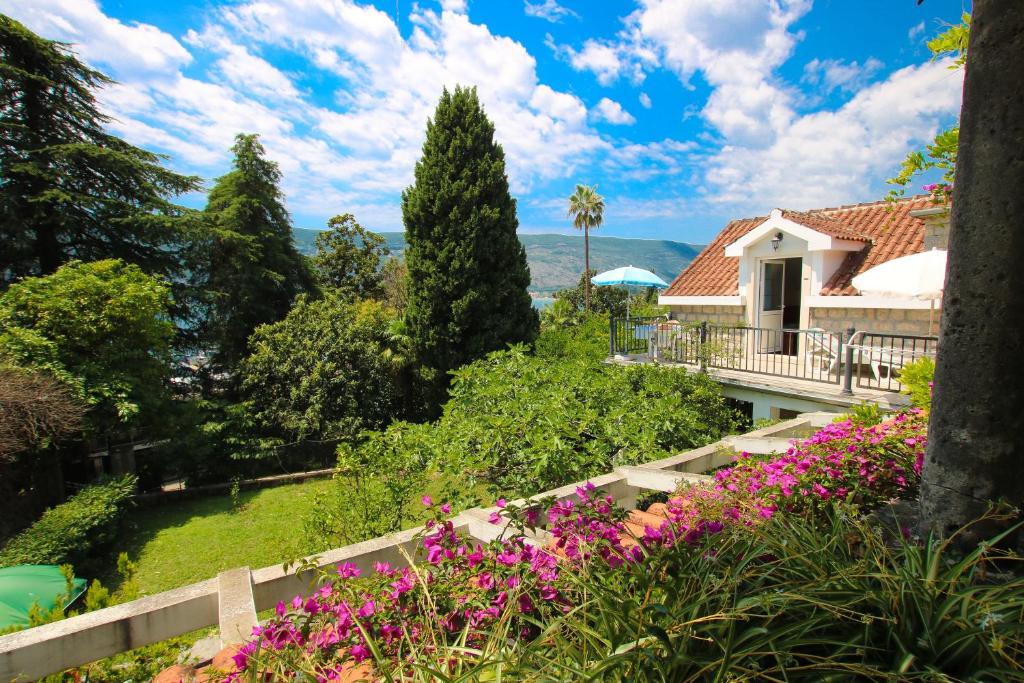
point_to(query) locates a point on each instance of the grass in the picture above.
(183, 542)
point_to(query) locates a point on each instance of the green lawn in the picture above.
(191, 540)
(183, 542)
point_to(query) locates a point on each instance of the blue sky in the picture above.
(685, 113)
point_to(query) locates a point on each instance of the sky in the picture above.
(684, 113)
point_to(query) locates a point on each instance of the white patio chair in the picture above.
(824, 347)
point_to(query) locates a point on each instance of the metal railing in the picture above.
(800, 354)
(867, 360)
(630, 336)
(877, 359)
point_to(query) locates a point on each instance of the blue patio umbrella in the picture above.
(629, 277)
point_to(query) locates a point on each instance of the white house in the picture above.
(792, 269)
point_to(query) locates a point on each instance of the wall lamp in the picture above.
(776, 241)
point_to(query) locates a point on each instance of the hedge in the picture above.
(69, 532)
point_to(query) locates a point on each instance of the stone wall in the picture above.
(896, 321)
(719, 315)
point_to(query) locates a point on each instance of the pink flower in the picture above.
(446, 508)
(501, 503)
(368, 609)
(427, 501)
(348, 570)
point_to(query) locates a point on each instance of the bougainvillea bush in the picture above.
(467, 609)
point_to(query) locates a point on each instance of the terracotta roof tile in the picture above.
(826, 225)
(888, 230)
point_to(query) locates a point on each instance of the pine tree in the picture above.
(254, 271)
(468, 275)
(68, 189)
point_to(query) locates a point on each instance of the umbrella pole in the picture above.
(931, 315)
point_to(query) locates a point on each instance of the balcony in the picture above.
(853, 365)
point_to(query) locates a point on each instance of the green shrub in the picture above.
(917, 378)
(584, 337)
(73, 530)
(525, 424)
(374, 484)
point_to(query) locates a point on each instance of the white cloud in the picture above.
(612, 112)
(248, 72)
(453, 5)
(915, 31)
(736, 45)
(643, 162)
(831, 157)
(645, 100)
(138, 48)
(548, 10)
(359, 152)
(835, 73)
(600, 58)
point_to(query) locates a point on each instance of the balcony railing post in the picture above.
(611, 335)
(848, 369)
(702, 346)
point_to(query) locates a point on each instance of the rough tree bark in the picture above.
(976, 433)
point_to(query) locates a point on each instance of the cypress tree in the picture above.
(69, 189)
(468, 275)
(254, 271)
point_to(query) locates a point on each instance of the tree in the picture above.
(395, 283)
(468, 275)
(348, 259)
(975, 452)
(68, 189)
(35, 409)
(610, 300)
(328, 370)
(102, 328)
(254, 271)
(586, 207)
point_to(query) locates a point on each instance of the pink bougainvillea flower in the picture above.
(348, 570)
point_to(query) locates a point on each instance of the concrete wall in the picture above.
(896, 321)
(874, 320)
(767, 405)
(717, 315)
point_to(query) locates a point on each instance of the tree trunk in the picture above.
(586, 268)
(976, 432)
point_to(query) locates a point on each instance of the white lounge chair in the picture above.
(824, 347)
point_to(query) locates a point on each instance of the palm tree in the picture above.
(586, 207)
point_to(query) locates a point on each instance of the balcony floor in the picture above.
(826, 392)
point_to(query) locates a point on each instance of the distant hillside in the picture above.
(556, 261)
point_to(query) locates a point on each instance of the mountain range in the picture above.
(556, 261)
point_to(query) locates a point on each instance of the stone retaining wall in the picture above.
(715, 315)
(880, 320)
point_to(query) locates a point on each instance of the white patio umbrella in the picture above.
(630, 277)
(918, 276)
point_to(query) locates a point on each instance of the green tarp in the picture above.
(28, 584)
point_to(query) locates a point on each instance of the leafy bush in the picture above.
(327, 371)
(102, 327)
(585, 339)
(917, 378)
(525, 424)
(72, 531)
(375, 481)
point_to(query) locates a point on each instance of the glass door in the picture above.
(773, 275)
